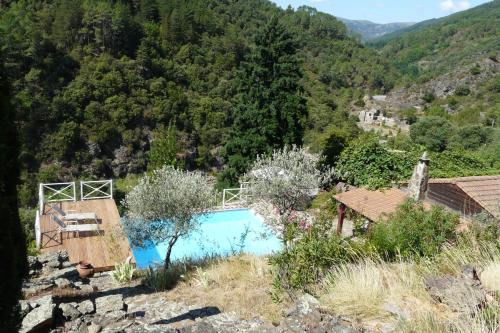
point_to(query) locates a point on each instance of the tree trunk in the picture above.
(171, 244)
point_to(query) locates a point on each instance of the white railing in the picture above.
(235, 197)
(96, 189)
(55, 192)
(38, 232)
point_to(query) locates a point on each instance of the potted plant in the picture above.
(85, 269)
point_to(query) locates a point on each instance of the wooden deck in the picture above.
(102, 249)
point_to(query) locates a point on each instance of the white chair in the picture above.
(63, 227)
(71, 215)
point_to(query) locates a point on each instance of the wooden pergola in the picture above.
(373, 205)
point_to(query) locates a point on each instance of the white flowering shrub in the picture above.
(166, 206)
(287, 179)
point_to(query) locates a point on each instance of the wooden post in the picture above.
(341, 212)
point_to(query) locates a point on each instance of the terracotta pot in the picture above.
(85, 269)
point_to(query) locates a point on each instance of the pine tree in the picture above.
(12, 242)
(271, 110)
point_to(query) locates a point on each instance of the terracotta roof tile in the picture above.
(372, 204)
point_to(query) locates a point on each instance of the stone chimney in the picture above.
(417, 186)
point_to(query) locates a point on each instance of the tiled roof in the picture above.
(372, 204)
(485, 190)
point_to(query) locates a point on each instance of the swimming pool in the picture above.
(220, 233)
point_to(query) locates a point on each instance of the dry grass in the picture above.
(364, 290)
(490, 276)
(240, 284)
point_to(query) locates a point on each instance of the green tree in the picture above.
(431, 132)
(271, 111)
(12, 242)
(333, 143)
(67, 22)
(471, 137)
(167, 205)
(164, 148)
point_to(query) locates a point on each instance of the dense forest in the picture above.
(431, 48)
(95, 82)
(107, 89)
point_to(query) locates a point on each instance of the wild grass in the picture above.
(366, 289)
(238, 284)
(160, 279)
(395, 294)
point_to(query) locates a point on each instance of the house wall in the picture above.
(453, 197)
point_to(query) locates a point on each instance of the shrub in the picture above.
(429, 97)
(471, 137)
(161, 279)
(410, 115)
(413, 230)
(431, 132)
(123, 272)
(475, 70)
(27, 219)
(314, 250)
(462, 91)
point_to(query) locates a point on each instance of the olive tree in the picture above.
(287, 179)
(165, 206)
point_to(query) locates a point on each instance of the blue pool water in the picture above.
(219, 233)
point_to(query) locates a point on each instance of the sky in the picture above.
(386, 11)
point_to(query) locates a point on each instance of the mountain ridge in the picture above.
(369, 30)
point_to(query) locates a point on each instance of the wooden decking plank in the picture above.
(94, 248)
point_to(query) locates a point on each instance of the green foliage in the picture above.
(491, 152)
(333, 143)
(314, 249)
(164, 149)
(121, 187)
(429, 97)
(413, 230)
(272, 110)
(462, 91)
(93, 79)
(485, 228)
(410, 115)
(161, 279)
(436, 111)
(459, 163)
(471, 137)
(476, 70)
(27, 220)
(434, 47)
(123, 272)
(431, 132)
(366, 162)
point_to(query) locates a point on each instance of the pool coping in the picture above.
(254, 212)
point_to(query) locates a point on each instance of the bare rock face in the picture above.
(41, 317)
(464, 294)
(85, 307)
(109, 303)
(305, 316)
(69, 311)
(24, 307)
